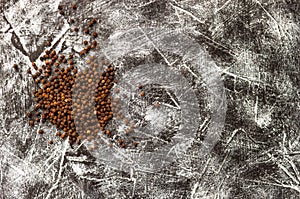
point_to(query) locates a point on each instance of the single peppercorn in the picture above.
(74, 6)
(95, 34)
(15, 66)
(31, 122)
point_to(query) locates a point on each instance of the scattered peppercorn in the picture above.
(95, 34)
(15, 66)
(74, 6)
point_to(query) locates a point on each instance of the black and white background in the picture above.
(244, 138)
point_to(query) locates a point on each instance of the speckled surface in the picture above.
(225, 71)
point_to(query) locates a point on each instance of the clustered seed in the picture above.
(65, 95)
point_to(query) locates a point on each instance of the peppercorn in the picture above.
(76, 29)
(95, 34)
(142, 93)
(31, 122)
(41, 131)
(51, 142)
(74, 6)
(94, 43)
(86, 31)
(28, 114)
(15, 66)
(135, 144)
(85, 42)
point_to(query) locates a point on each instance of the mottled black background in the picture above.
(255, 42)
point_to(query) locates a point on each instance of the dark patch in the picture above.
(238, 191)
(36, 189)
(155, 10)
(260, 170)
(15, 40)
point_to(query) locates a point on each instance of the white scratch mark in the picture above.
(163, 56)
(195, 187)
(55, 185)
(187, 12)
(223, 6)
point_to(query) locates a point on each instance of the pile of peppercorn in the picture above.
(66, 96)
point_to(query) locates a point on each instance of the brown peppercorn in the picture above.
(85, 42)
(74, 6)
(82, 52)
(135, 144)
(51, 142)
(48, 43)
(31, 122)
(76, 29)
(41, 131)
(63, 135)
(142, 93)
(94, 43)
(72, 21)
(140, 86)
(95, 34)
(86, 31)
(15, 66)
(60, 7)
(28, 115)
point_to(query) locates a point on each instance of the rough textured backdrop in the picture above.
(254, 43)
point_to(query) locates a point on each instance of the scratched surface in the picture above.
(225, 71)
